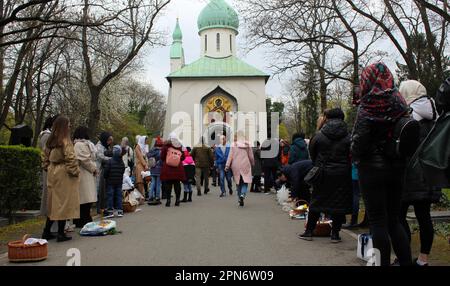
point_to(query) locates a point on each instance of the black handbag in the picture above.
(314, 175)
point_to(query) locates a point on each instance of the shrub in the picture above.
(20, 185)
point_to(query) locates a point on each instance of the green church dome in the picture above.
(218, 14)
(177, 34)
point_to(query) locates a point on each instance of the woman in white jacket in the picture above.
(414, 194)
(85, 153)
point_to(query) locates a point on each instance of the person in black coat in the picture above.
(380, 174)
(113, 174)
(270, 162)
(332, 193)
(294, 176)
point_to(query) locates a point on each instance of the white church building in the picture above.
(218, 93)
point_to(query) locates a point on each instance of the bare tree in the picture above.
(130, 32)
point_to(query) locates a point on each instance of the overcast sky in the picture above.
(157, 63)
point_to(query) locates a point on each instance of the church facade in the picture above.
(218, 93)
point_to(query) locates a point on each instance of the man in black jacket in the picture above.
(294, 176)
(113, 174)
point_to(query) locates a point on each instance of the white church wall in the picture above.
(186, 95)
(226, 35)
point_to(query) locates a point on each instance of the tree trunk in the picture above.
(94, 111)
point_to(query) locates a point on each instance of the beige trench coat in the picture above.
(63, 183)
(85, 154)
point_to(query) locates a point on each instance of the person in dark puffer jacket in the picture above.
(332, 194)
(299, 149)
(113, 175)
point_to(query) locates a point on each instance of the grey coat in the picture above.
(42, 140)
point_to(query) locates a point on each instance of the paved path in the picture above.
(209, 231)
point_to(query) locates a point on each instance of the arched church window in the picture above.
(206, 43)
(218, 42)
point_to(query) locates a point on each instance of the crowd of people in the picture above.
(385, 159)
(331, 171)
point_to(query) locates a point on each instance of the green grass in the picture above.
(17, 231)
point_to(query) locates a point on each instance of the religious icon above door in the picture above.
(218, 104)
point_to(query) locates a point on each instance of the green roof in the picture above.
(218, 14)
(218, 67)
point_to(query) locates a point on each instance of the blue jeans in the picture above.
(242, 189)
(222, 176)
(114, 194)
(155, 188)
(187, 187)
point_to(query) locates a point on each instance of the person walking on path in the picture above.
(380, 175)
(221, 155)
(63, 180)
(172, 173)
(332, 193)
(270, 163)
(240, 161)
(189, 169)
(85, 154)
(257, 169)
(42, 141)
(114, 170)
(155, 186)
(204, 160)
(104, 154)
(141, 163)
(299, 149)
(415, 192)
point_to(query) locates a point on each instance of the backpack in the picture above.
(173, 158)
(405, 138)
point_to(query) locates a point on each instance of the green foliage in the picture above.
(444, 203)
(20, 170)
(276, 107)
(284, 134)
(310, 103)
(128, 126)
(4, 132)
(426, 64)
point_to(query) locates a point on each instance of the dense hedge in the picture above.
(20, 186)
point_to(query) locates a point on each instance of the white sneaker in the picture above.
(119, 213)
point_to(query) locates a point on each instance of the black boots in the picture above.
(185, 195)
(189, 197)
(199, 193)
(61, 234)
(47, 234)
(241, 201)
(168, 203)
(307, 235)
(335, 238)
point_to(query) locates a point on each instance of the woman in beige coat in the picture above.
(85, 153)
(141, 163)
(240, 161)
(62, 179)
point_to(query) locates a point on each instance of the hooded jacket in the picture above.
(115, 168)
(298, 151)
(330, 150)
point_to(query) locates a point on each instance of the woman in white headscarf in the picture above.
(141, 162)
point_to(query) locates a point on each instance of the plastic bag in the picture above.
(99, 228)
(145, 174)
(130, 198)
(282, 195)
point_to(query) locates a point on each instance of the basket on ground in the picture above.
(19, 252)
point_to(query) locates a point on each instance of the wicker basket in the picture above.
(19, 252)
(128, 208)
